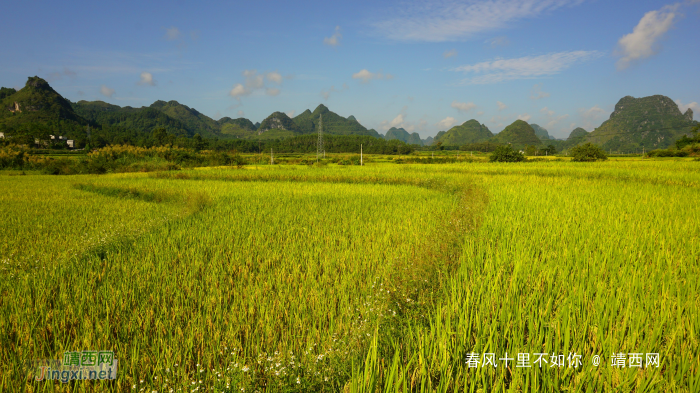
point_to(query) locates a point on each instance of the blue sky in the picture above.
(423, 66)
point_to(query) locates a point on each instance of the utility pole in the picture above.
(272, 159)
(319, 145)
(361, 161)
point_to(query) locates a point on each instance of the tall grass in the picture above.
(563, 264)
(272, 283)
(367, 279)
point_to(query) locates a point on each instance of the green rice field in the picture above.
(381, 278)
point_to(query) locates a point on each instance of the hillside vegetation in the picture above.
(649, 122)
(468, 132)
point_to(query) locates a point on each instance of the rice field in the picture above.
(380, 278)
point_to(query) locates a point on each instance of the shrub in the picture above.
(588, 152)
(506, 154)
(12, 157)
(668, 153)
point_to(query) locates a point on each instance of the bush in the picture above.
(506, 154)
(12, 157)
(667, 153)
(588, 152)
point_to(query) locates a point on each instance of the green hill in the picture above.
(468, 132)
(194, 121)
(519, 134)
(278, 121)
(239, 128)
(136, 121)
(241, 122)
(39, 111)
(333, 123)
(6, 91)
(541, 132)
(577, 133)
(652, 122)
(403, 136)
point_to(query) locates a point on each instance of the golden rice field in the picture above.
(383, 278)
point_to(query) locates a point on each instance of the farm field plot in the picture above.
(380, 278)
(284, 269)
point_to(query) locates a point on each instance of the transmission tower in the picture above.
(319, 148)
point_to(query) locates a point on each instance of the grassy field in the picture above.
(343, 278)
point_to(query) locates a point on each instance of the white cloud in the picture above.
(642, 41)
(398, 120)
(479, 113)
(365, 76)
(536, 93)
(106, 91)
(447, 123)
(524, 117)
(291, 113)
(445, 20)
(463, 106)
(527, 67)
(555, 120)
(147, 79)
(694, 106)
(501, 106)
(241, 113)
(552, 119)
(500, 120)
(591, 117)
(498, 41)
(449, 53)
(327, 93)
(58, 75)
(253, 80)
(172, 33)
(275, 77)
(334, 40)
(238, 91)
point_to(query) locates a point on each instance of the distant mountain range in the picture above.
(37, 109)
(650, 122)
(541, 132)
(403, 136)
(518, 134)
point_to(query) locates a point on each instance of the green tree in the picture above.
(506, 154)
(550, 149)
(198, 143)
(588, 152)
(160, 136)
